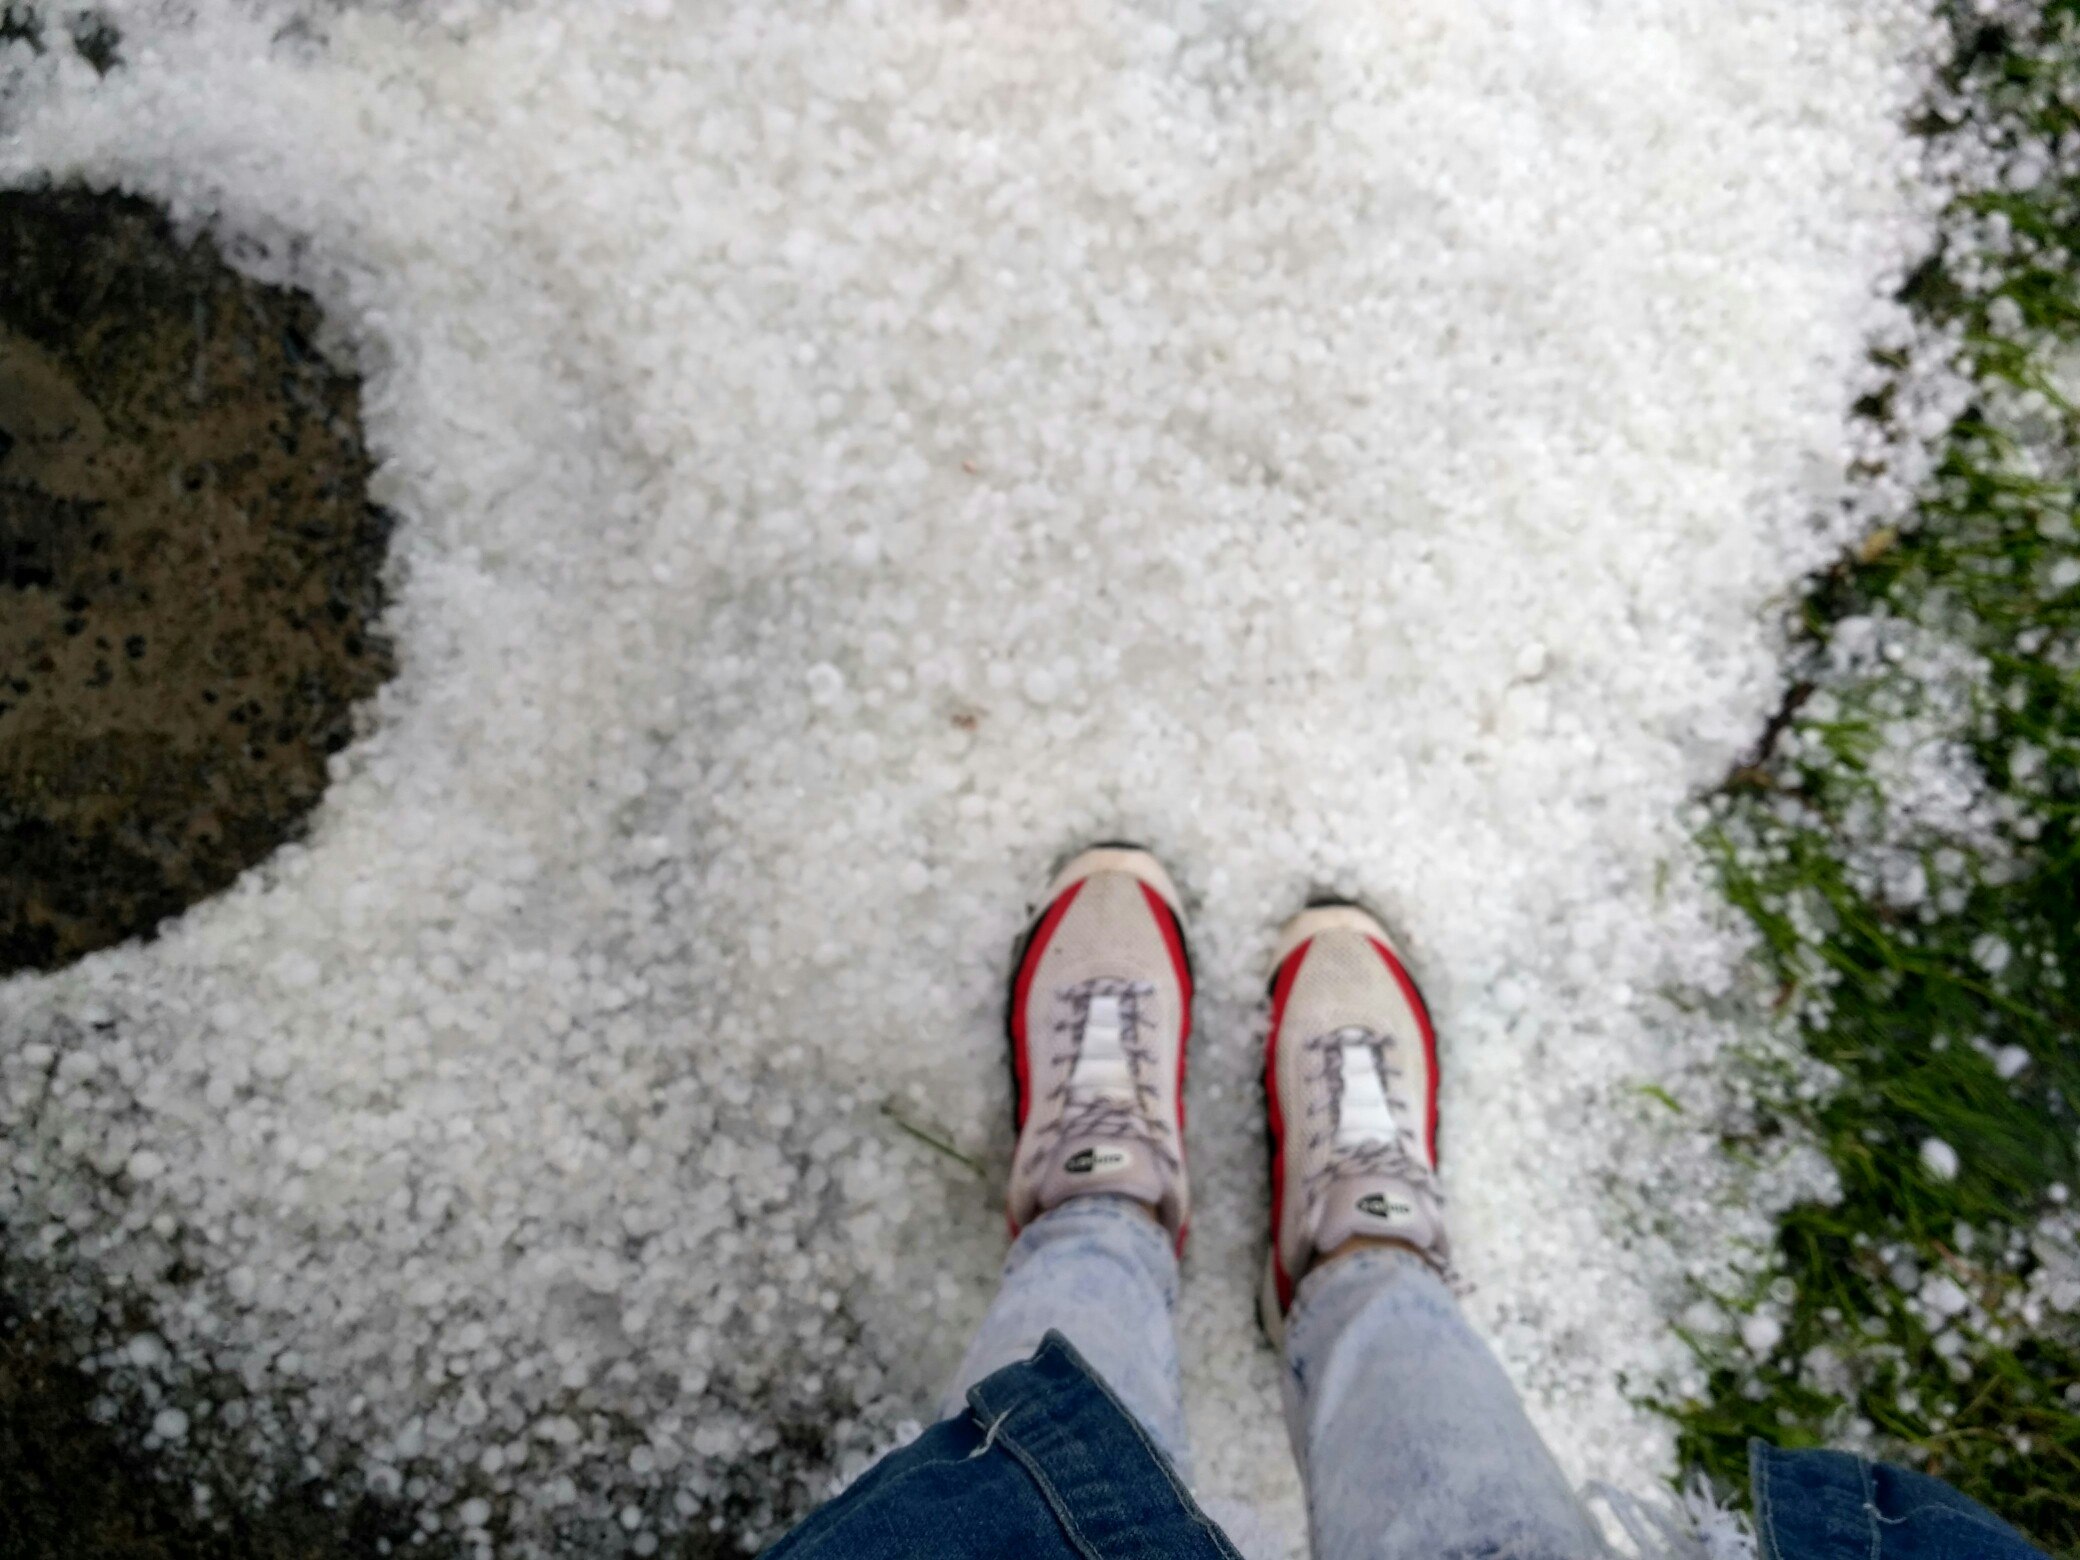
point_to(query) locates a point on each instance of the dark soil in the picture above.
(190, 572)
(72, 1488)
(190, 575)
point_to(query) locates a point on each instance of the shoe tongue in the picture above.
(1120, 1167)
(1380, 1207)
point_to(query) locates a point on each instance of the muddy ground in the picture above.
(190, 581)
(190, 571)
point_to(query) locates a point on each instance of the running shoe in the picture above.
(1101, 1008)
(1350, 1083)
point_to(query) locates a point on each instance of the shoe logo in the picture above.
(1381, 1206)
(1097, 1161)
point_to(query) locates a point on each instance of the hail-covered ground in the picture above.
(844, 461)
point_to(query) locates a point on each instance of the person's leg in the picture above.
(1042, 1462)
(1100, 1013)
(1410, 1438)
(1064, 1430)
(1411, 1442)
(1825, 1505)
(1102, 1273)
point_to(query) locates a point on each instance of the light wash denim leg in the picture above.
(1101, 1272)
(1411, 1441)
(1413, 1445)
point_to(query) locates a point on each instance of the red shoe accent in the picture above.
(1173, 939)
(1281, 990)
(1022, 988)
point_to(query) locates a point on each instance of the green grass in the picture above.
(1909, 1003)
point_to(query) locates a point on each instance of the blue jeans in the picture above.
(1825, 1505)
(1063, 1434)
(1044, 1462)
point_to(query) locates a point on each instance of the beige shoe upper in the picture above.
(1351, 1085)
(1101, 1009)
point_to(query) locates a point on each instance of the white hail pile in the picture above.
(844, 461)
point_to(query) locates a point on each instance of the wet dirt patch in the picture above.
(190, 572)
(73, 1485)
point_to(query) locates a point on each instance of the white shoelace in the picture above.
(1108, 1091)
(1367, 1141)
